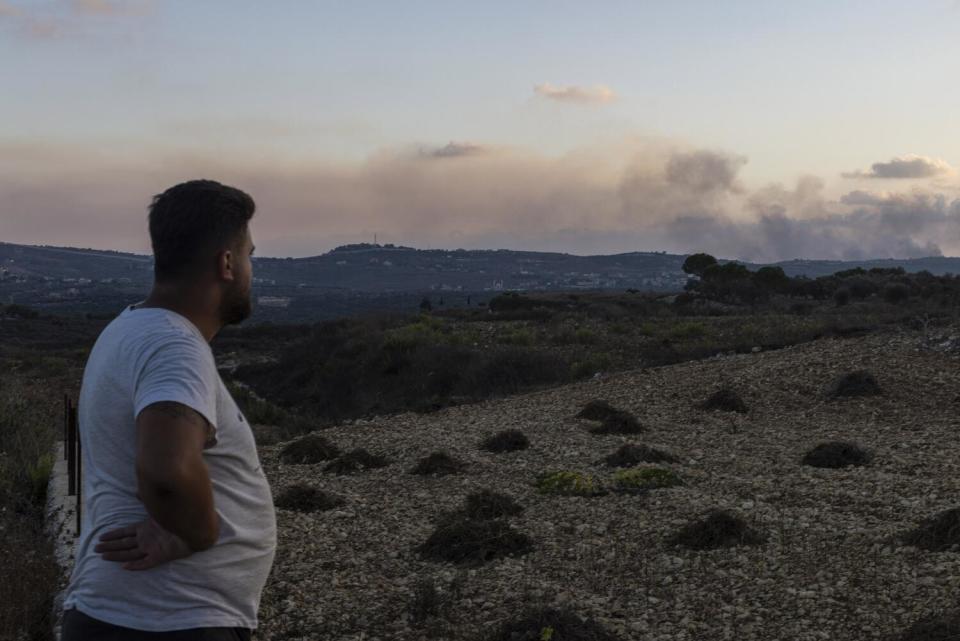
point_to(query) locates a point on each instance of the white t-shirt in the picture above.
(143, 356)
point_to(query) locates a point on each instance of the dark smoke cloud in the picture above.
(909, 166)
(650, 196)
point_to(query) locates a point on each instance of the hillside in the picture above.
(824, 571)
(362, 278)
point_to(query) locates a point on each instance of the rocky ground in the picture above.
(826, 570)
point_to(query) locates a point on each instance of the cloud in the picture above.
(909, 166)
(599, 94)
(645, 196)
(455, 150)
(111, 7)
(8, 10)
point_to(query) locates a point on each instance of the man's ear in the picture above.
(225, 264)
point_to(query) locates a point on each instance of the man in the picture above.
(179, 529)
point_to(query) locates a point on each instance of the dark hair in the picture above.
(192, 220)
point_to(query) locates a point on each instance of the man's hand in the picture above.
(142, 545)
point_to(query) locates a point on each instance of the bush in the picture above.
(466, 541)
(718, 529)
(506, 441)
(438, 464)
(687, 331)
(621, 422)
(301, 497)
(938, 534)
(566, 483)
(550, 624)
(841, 297)
(356, 461)
(858, 383)
(726, 400)
(836, 454)
(487, 505)
(896, 293)
(309, 449)
(597, 410)
(651, 478)
(631, 454)
(945, 627)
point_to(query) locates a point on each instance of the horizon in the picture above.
(752, 131)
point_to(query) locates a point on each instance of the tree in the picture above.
(771, 278)
(425, 305)
(698, 263)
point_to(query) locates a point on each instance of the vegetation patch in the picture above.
(858, 383)
(597, 410)
(506, 441)
(641, 480)
(356, 461)
(630, 454)
(301, 497)
(620, 423)
(943, 627)
(937, 534)
(487, 505)
(309, 449)
(568, 483)
(836, 454)
(719, 529)
(438, 464)
(550, 624)
(473, 542)
(724, 400)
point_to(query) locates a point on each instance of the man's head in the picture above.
(200, 236)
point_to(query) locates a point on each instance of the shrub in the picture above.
(486, 505)
(309, 449)
(630, 454)
(356, 461)
(896, 293)
(686, 331)
(726, 400)
(945, 627)
(836, 454)
(841, 297)
(566, 483)
(597, 410)
(468, 541)
(858, 383)
(439, 464)
(550, 624)
(506, 441)
(651, 478)
(619, 423)
(520, 336)
(937, 534)
(718, 529)
(304, 498)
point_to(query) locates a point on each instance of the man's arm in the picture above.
(173, 480)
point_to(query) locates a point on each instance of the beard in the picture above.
(235, 306)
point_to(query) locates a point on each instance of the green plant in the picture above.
(687, 331)
(567, 483)
(650, 478)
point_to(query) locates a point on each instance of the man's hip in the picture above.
(78, 626)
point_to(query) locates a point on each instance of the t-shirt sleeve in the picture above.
(180, 369)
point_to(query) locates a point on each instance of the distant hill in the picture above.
(355, 278)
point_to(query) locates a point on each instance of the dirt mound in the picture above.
(310, 449)
(836, 454)
(356, 461)
(487, 505)
(468, 541)
(717, 530)
(937, 534)
(724, 400)
(858, 383)
(438, 464)
(553, 625)
(630, 454)
(506, 441)
(301, 497)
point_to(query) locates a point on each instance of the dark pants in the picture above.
(77, 626)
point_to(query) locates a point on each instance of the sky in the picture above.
(753, 130)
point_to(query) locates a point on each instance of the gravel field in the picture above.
(826, 570)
